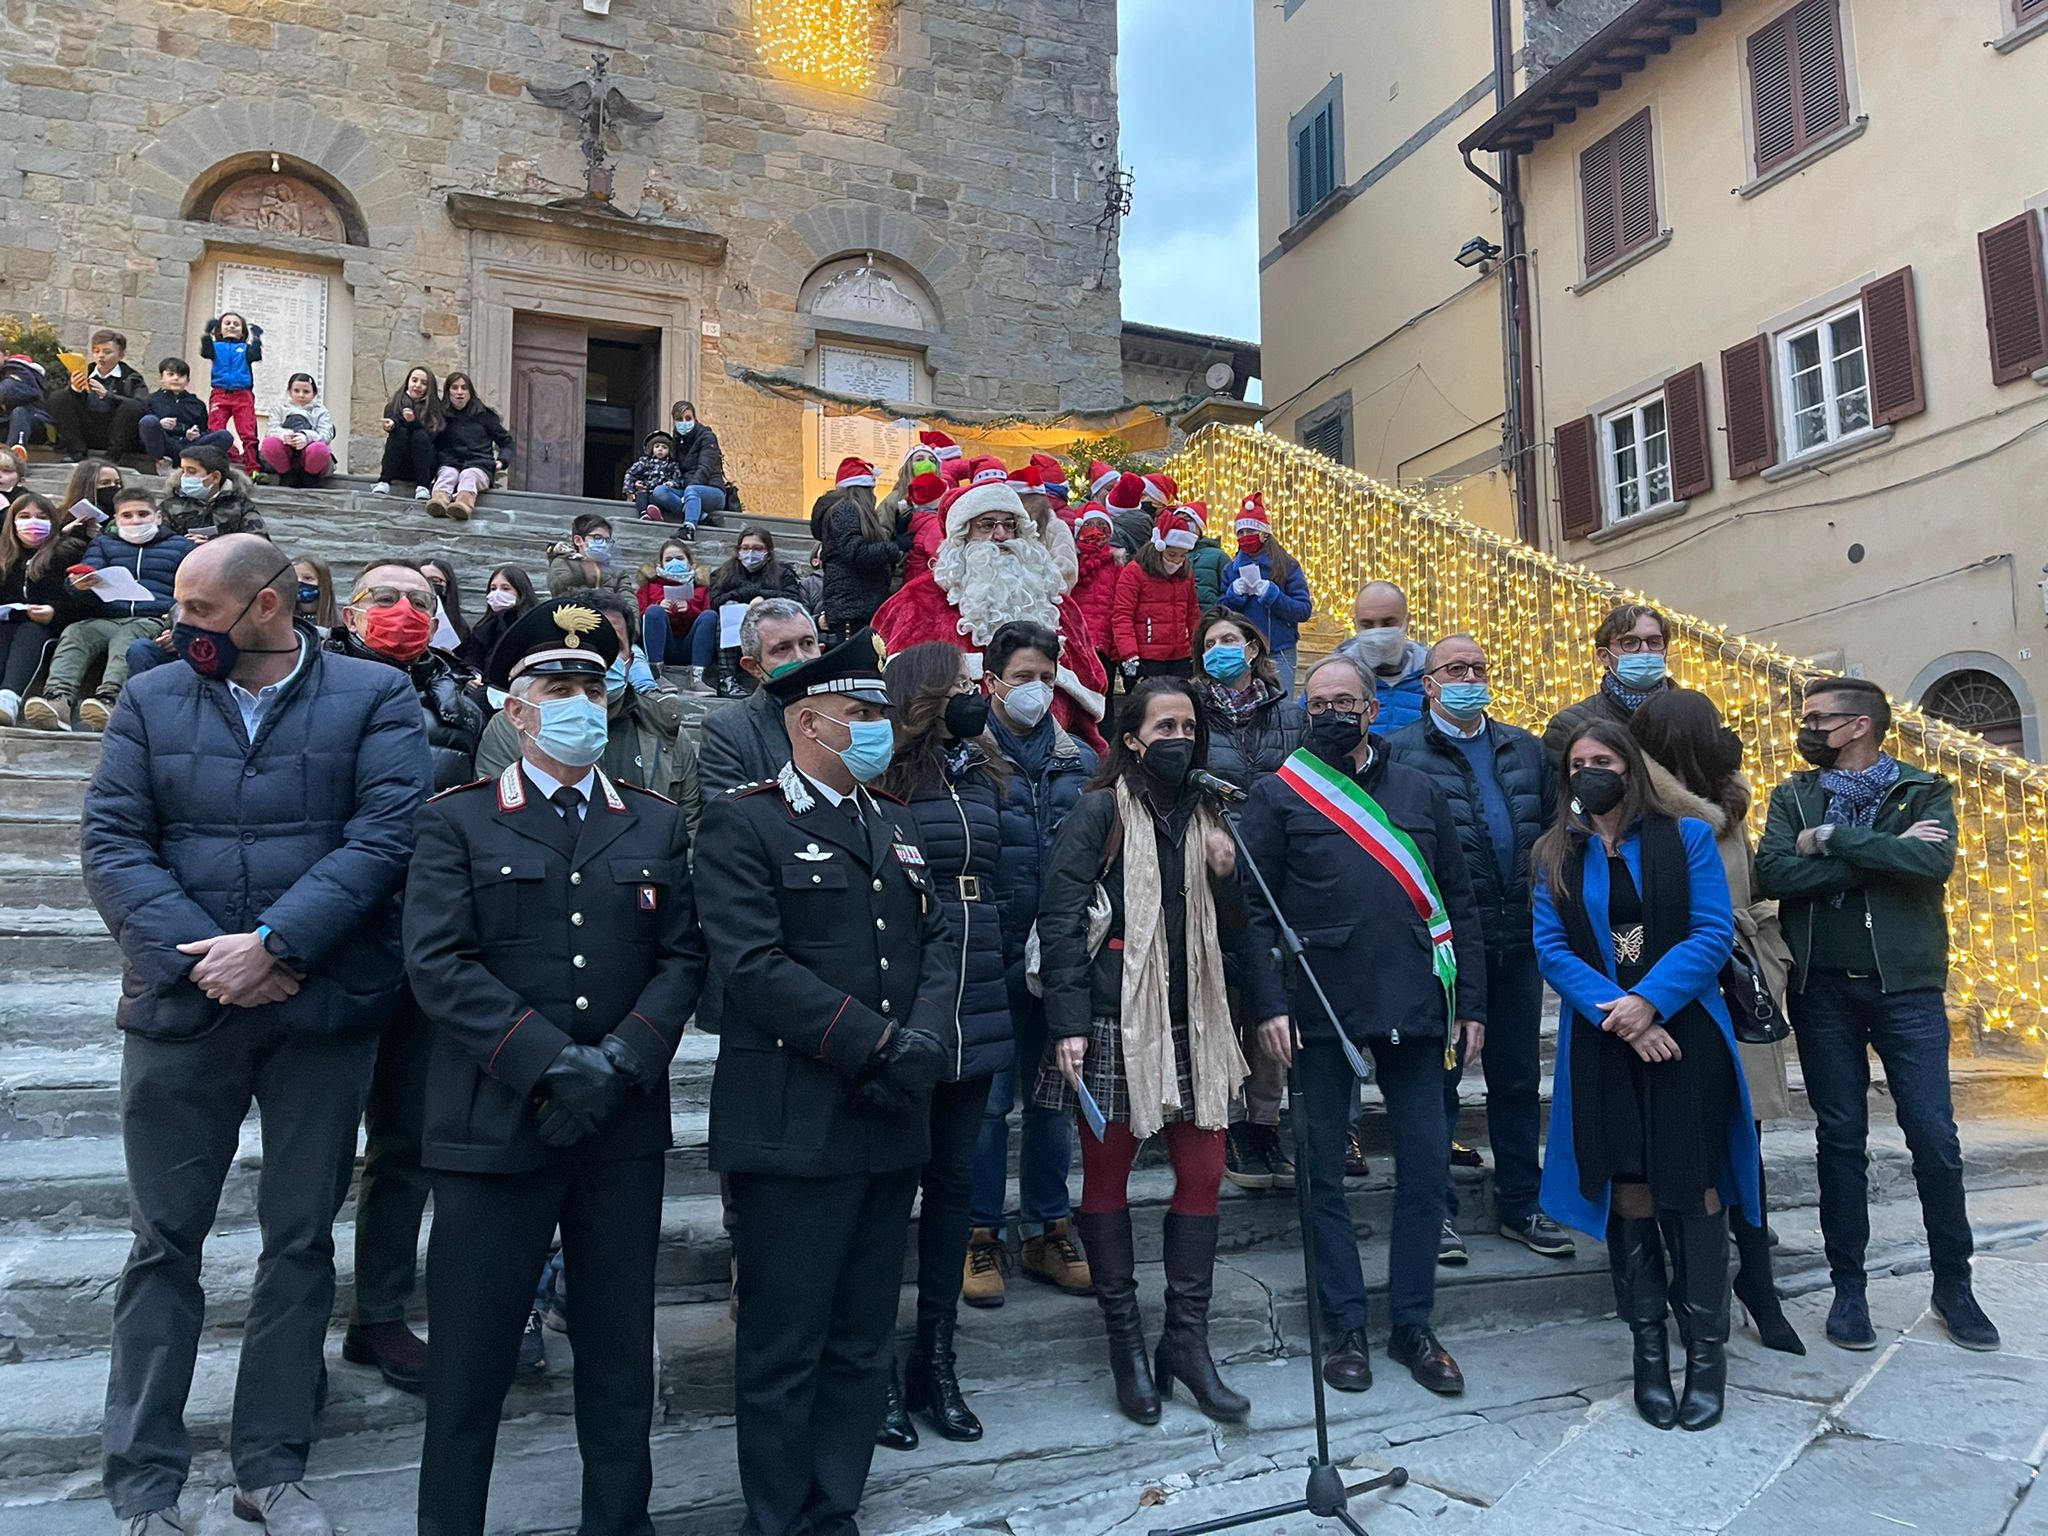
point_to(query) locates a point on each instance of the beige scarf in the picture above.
(1149, 1064)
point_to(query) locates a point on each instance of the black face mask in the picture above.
(966, 716)
(1334, 737)
(103, 498)
(1814, 747)
(1168, 762)
(1596, 791)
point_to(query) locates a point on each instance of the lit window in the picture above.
(1826, 382)
(1636, 453)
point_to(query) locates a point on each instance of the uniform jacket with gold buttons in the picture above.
(525, 932)
(823, 937)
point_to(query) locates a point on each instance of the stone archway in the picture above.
(797, 248)
(2002, 677)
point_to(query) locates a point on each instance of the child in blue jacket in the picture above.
(234, 347)
(1265, 584)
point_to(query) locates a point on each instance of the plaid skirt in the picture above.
(1103, 1071)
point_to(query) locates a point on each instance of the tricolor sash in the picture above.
(1343, 800)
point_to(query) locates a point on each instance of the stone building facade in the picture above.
(379, 188)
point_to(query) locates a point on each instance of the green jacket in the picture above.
(1901, 878)
(1209, 562)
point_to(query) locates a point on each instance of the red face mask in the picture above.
(400, 631)
(1094, 533)
(1250, 543)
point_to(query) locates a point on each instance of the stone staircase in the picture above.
(63, 1202)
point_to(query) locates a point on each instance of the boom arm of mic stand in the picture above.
(1291, 942)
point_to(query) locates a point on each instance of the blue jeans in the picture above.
(1048, 1148)
(1513, 1064)
(1839, 1019)
(699, 499)
(145, 654)
(1411, 1078)
(665, 499)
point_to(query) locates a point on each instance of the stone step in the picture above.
(35, 837)
(49, 752)
(42, 796)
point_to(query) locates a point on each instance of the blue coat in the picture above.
(191, 831)
(1688, 973)
(1278, 612)
(959, 831)
(154, 564)
(1048, 771)
(233, 361)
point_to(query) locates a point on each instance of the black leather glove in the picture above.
(582, 1087)
(902, 1070)
(629, 1066)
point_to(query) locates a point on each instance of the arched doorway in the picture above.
(872, 320)
(1975, 700)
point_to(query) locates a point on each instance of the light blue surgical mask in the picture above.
(685, 428)
(1225, 663)
(1645, 669)
(599, 550)
(753, 559)
(871, 744)
(615, 679)
(678, 570)
(1464, 701)
(192, 485)
(573, 730)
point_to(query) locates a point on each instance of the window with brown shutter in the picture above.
(2015, 296)
(1578, 477)
(1618, 191)
(1752, 418)
(2027, 10)
(1892, 339)
(1685, 415)
(1798, 81)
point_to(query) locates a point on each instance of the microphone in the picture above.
(1217, 788)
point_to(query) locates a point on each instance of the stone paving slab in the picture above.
(1847, 1487)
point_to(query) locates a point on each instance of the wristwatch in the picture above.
(274, 944)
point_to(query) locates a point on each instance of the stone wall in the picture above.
(1553, 28)
(972, 158)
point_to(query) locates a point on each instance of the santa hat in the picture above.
(926, 491)
(1161, 488)
(1251, 517)
(853, 472)
(943, 448)
(1028, 481)
(1052, 474)
(1180, 527)
(1100, 478)
(986, 471)
(1094, 512)
(1126, 493)
(989, 492)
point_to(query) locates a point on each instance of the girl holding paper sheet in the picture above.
(753, 572)
(36, 602)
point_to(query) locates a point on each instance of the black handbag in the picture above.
(1754, 1012)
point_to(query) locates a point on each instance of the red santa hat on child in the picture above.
(1180, 527)
(1161, 489)
(853, 472)
(1251, 517)
(1125, 493)
(926, 491)
(942, 447)
(1100, 478)
(1028, 481)
(1094, 512)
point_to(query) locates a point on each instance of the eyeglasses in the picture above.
(1814, 721)
(1343, 705)
(992, 524)
(1635, 645)
(385, 597)
(1462, 671)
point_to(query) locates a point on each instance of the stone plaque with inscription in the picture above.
(882, 443)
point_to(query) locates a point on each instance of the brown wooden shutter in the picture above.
(1891, 340)
(2027, 10)
(1618, 193)
(1746, 397)
(1685, 425)
(1823, 76)
(1578, 476)
(1596, 190)
(2015, 299)
(1798, 81)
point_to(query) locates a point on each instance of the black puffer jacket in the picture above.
(38, 577)
(1048, 771)
(450, 707)
(1530, 784)
(473, 439)
(734, 583)
(959, 830)
(699, 459)
(1245, 752)
(859, 571)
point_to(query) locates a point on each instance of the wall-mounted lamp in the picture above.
(1477, 252)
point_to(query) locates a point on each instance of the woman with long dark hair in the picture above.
(411, 422)
(508, 598)
(950, 777)
(34, 556)
(753, 571)
(470, 448)
(440, 574)
(1695, 762)
(860, 551)
(1137, 1014)
(1653, 1141)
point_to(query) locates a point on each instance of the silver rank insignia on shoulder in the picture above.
(813, 854)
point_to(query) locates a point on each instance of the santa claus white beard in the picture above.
(1057, 537)
(996, 584)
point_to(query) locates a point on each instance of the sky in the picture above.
(1191, 243)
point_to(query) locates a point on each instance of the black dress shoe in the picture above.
(1428, 1361)
(397, 1352)
(1348, 1366)
(897, 1432)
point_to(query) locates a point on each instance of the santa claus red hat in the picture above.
(991, 494)
(1180, 527)
(1028, 481)
(1094, 512)
(1125, 493)
(1251, 517)
(853, 472)
(986, 471)
(1161, 490)
(943, 448)
(1050, 470)
(1100, 478)
(926, 491)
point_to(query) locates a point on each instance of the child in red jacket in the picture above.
(1095, 588)
(1157, 607)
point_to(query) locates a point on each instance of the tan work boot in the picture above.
(982, 1283)
(1053, 1258)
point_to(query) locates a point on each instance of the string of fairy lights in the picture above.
(1536, 616)
(829, 42)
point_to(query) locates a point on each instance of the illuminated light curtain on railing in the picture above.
(1536, 616)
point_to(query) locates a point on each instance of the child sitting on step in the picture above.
(470, 448)
(297, 450)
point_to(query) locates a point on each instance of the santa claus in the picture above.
(989, 571)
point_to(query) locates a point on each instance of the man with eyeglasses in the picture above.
(1630, 643)
(1502, 796)
(1858, 851)
(1368, 867)
(245, 835)
(388, 618)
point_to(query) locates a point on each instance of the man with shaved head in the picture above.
(243, 838)
(1380, 643)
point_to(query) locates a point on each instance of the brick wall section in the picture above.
(972, 156)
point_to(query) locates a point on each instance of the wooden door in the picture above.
(550, 367)
(650, 410)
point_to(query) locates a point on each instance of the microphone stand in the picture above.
(1327, 1495)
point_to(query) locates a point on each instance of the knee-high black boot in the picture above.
(1754, 1287)
(1106, 1235)
(1636, 1256)
(1699, 1247)
(931, 1385)
(1184, 1341)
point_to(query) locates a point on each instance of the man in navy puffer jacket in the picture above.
(244, 838)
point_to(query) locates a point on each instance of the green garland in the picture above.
(788, 388)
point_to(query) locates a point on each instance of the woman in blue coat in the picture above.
(951, 779)
(1652, 1141)
(1265, 584)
